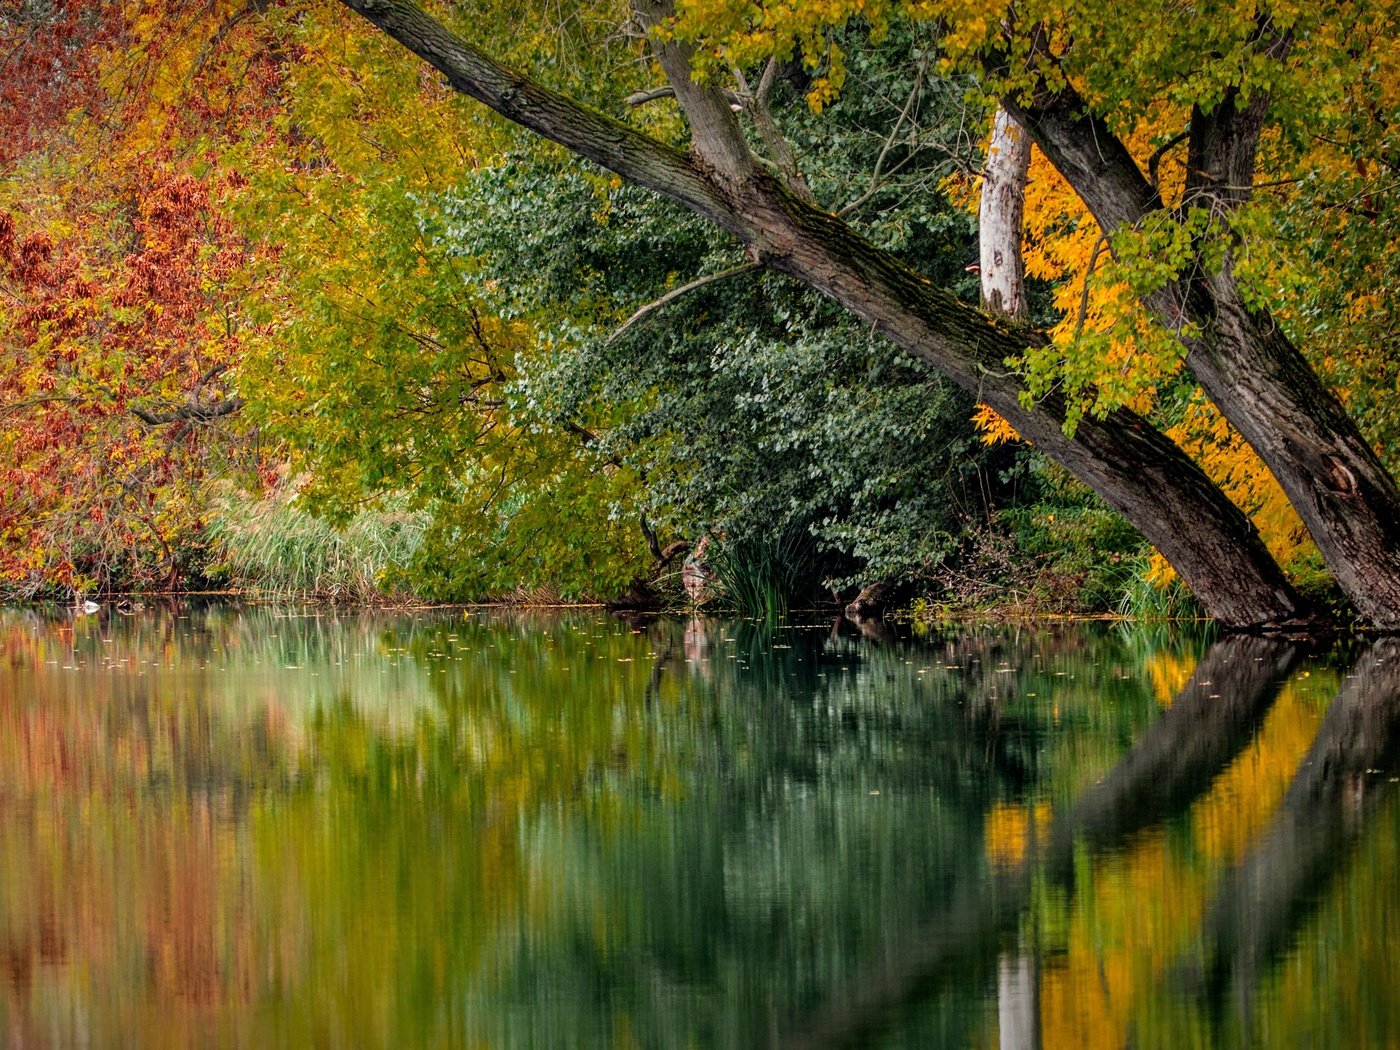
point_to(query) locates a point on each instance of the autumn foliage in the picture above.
(122, 278)
(225, 254)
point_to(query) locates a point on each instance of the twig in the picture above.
(1160, 152)
(676, 293)
(877, 173)
(1099, 246)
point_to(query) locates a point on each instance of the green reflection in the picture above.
(254, 827)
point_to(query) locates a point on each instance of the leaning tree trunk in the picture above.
(1132, 466)
(1135, 468)
(1250, 369)
(1336, 483)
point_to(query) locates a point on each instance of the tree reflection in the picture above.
(1261, 903)
(291, 827)
(1207, 724)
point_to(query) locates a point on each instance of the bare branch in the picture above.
(1099, 246)
(755, 104)
(675, 293)
(1161, 151)
(194, 412)
(591, 134)
(641, 98)
(878, 174)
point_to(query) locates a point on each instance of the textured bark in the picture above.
(1251, 370)
(715, 136)
(1000, 215)
(1340, 489)
(1136, 469)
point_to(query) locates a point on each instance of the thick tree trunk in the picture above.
(1345, 497)
(1135, 468)
(1000, 216)
(1251, 370)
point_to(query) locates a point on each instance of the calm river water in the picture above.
(240, 827)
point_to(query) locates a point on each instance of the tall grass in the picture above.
(276, 549)
(1145, 599)
(761, 576)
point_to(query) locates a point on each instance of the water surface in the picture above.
(226, 826)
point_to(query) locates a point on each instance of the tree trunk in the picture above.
(1251, 370)
(1000, 216)
(1136, 469)
(1336, 483)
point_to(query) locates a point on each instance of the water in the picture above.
(233, 827)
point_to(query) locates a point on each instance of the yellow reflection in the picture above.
(1169, 671)
(1010, 828)
(1242, 802)
(1135, 913)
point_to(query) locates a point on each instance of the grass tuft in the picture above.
(761, 576)
(277, 549)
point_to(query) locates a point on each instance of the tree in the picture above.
(121, 288)
(1234, 346)
(1135, 468)
(753, 410)
(1107, 95)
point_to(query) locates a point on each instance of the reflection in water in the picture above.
(239, 827)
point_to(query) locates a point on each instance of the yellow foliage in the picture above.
(992, 429)
(1232, 464)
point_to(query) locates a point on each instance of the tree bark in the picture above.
(1251, 370)
(1000, 216)
(1136, 469)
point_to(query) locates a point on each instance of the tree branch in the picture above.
(1123, 457)
(193, 412)
(877, 173)
(670, 297)
(755, 103)
(599, 138)
(716, 139)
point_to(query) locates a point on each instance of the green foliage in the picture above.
(562, 528)
(1082, 550)
(1055, 548)
(385, 377)
(749, 408)
(1145, 598)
